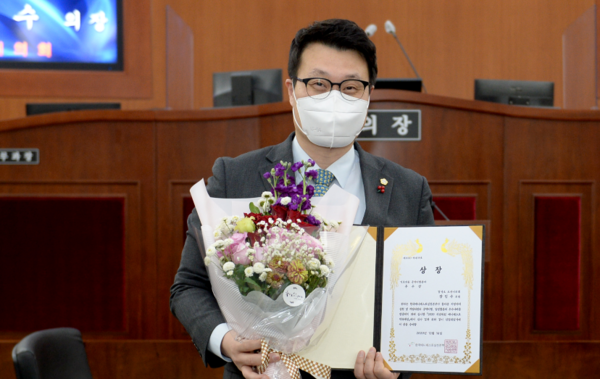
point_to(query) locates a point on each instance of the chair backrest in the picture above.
(51, 354)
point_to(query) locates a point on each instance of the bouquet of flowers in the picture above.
(276, 244)
(273, 270)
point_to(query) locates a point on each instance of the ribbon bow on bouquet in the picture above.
(294, 363)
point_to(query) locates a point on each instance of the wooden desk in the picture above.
(506, 157)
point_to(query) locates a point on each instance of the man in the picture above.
(332, 69)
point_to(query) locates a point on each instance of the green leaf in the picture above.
(254, 208)
(253, 284)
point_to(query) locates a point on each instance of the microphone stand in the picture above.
(409, 61)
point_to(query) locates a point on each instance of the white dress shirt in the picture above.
(348, 176)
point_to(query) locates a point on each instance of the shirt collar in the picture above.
(341, 168)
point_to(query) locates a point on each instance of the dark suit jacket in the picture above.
(406, 201)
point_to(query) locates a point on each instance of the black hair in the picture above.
(338, 34)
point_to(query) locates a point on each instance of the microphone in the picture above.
(391, 29)
(371, 29)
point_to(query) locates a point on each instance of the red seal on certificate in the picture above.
(450, 346)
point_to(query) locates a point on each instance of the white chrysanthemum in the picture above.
(258, 268)
(227, 242)
(207, 261)
(266, 195)
(229, 273)
(211, 251)
(324, 270)
(314, 264)
(217, 233)
(228, 266)
(286, 200)
(249, 271)
(329, 262)
(263, 277)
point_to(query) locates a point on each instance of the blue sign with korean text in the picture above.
(60, 31)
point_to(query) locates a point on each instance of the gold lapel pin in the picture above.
(381, 188)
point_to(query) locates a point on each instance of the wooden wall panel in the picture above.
(96, 158)
(535, 360)
(552, 157)
(522, 258)
(579, 63)
(451, 42)
(132, 360)
(178, 359)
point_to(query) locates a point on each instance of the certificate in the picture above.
(415, 293)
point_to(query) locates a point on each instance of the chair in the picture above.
(51, 354)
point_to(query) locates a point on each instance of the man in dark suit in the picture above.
(332, 69)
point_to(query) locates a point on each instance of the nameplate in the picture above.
(19, 156)
(392, 125)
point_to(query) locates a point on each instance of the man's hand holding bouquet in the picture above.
(273, 263)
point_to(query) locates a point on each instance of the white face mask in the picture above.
(333, 121)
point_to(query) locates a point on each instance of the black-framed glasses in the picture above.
(320, 88)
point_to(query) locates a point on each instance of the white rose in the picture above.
(286, 200)
(324, 270)
(249, 271)
(207, 261)
(263, 277)
(258, 268)
(314, 264)
(229, 266)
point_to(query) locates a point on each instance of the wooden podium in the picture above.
(92, 235)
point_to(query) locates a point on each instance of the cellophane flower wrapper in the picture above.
(256, 316)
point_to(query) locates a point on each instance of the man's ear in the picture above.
(290, 87)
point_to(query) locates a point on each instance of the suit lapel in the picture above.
(280, 152)
(377, 203)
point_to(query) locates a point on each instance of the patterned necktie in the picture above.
(322, 182)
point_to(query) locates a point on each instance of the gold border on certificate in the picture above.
(403, 250)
